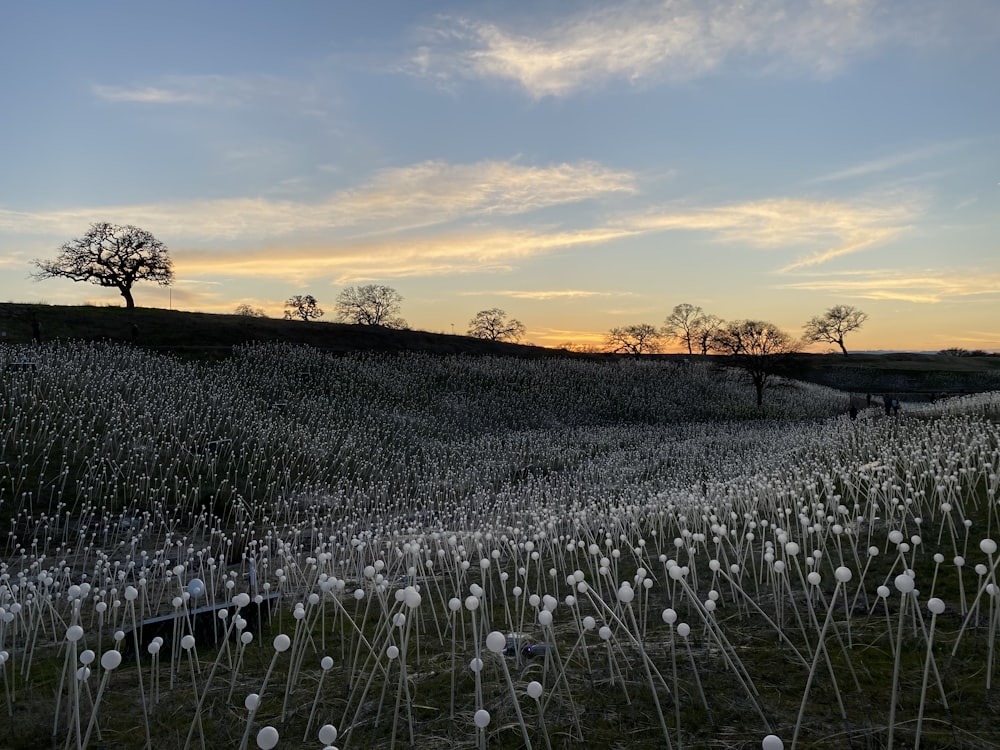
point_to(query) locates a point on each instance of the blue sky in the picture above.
(580, 165)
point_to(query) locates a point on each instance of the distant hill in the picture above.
(205, 334)
(906, 375)
(909, 376)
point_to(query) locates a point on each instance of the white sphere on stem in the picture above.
(496, 642)
(535, 689)
(267, 738)
(111, 659)
(328, 734)
(482, 718)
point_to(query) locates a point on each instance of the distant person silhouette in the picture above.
(36, 331)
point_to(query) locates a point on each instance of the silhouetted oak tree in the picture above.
(756, 347)
(494, 325)
(682, 324)
(641, 338)
(304, 307)
(834, 324)
(111, 256)
(370, 305)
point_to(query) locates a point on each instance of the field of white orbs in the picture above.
(289, 549)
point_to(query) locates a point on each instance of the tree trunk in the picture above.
(759, 381)
(842, 347)
(127, 294)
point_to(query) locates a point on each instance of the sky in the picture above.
(580, 165)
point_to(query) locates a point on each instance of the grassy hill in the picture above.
(910, 376)
(280, 468)
(204, 335)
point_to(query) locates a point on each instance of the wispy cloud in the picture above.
(822, 230)
(347, 263)
(437, 219)
(563, 336)
(541, 295)
(394, 200)
(978, 339)
(887, 163)
(146, 95)
(838, 228)
(674, 40)
(217, 90)
(931, 286)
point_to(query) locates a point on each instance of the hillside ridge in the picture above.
(198, 335)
